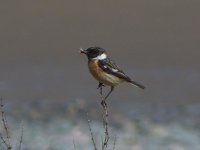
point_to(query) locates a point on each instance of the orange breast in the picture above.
(95, 70)
(101, 76)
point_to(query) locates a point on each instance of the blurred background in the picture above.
(45, 82)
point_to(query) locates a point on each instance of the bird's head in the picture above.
(94, 53)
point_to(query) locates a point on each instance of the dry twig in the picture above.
(106, 137)
(21, 137)
(5, 125)
(114, 144)
(105, 121)
(91, 133)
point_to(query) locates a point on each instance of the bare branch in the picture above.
(105, 121)
(91, 133)
(115, 141)
(21, 137)
(3, 140)
(5, 125)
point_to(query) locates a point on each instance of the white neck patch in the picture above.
(101, 57)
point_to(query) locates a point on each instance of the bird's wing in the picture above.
(111, 68)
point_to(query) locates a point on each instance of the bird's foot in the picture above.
(100, 85)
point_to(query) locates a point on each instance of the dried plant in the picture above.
(5, 138)
(106, 137)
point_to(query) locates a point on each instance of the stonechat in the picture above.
(104, 70)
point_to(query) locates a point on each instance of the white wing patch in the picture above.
(104, 66)
(114, 70)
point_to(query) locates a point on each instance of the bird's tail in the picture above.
(137, 84)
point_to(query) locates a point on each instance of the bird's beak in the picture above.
(82, 51)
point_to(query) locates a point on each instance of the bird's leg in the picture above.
(103, 102)
(111, 89)
(100, 86)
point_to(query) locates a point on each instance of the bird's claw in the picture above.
(100, 85)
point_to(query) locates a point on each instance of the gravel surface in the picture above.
(50, 128)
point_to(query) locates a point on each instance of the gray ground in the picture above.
(142, 127)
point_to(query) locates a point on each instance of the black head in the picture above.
(93, 52)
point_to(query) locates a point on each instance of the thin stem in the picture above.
(92, 136)
(105, 121)
(21, 137)
(114, 144)
(5, 125)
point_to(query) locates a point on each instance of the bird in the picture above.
(104, 70)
